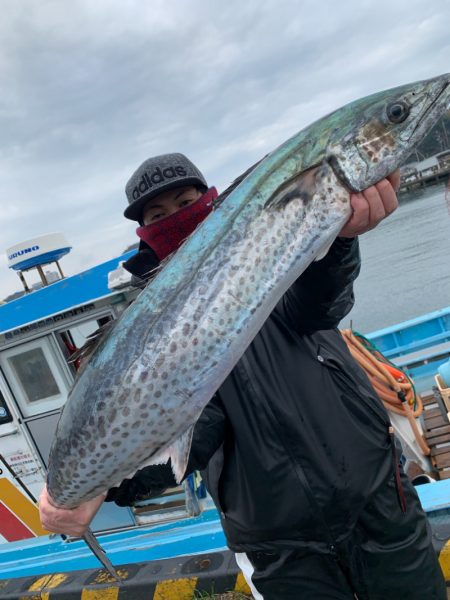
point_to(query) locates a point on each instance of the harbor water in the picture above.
(405, 263)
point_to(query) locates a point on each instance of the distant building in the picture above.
(443, 159)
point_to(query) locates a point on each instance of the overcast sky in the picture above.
(90, 89)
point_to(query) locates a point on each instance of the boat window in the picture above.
(37, 375)
(5, 415)
(32, 370)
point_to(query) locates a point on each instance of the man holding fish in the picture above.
(296, 448)
(168, 212)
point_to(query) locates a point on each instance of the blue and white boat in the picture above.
(175, 540)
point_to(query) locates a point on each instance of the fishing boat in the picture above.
(165, 547)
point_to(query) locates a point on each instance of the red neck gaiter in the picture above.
(167, 235)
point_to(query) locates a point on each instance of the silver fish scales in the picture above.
(141, 393)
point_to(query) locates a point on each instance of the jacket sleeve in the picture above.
(322, 296)
(153, 480)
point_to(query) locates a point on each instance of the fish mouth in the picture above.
(442, 97)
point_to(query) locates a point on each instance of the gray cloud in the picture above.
(89, 90)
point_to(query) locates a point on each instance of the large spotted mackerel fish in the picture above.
(139, 396)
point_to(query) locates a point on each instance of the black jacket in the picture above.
(295, 441)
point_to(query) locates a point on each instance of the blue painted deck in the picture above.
(47, 554)
(196, 535)
(59, 296)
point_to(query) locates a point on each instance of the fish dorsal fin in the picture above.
(218, 201)
(91, 344)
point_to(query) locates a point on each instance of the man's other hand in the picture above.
(372, 205)
(73, 521)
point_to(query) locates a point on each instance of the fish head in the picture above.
(376, 134)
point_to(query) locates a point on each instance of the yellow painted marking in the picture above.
(56, 579)
(21, 506)
(38, 584)
(103, 594)
(444, 560)
(175, 589)
(49, 582)
(241, 585)
(105, 577)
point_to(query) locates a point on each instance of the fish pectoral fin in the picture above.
(324, 251)
(303, 187)
(178, 453)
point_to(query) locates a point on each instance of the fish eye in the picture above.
(397, 112)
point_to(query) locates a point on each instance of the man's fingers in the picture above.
(394, 179)
(372, 205)
(376, 207)
(386, 190)
(359, 219)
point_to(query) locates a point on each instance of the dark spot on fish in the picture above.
(165, 375)
(103, 446)
(136, 425)
(144, 415)
(93, 461)
(158, 394)
(116, 443)
(126, 411)
(173, 347)
(143, 376)
(186, 328)
(125, 434)
(159, 361)
(115, 430)
(91, 446)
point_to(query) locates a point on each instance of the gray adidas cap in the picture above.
(159, 174)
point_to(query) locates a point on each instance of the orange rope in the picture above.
(387, 386)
